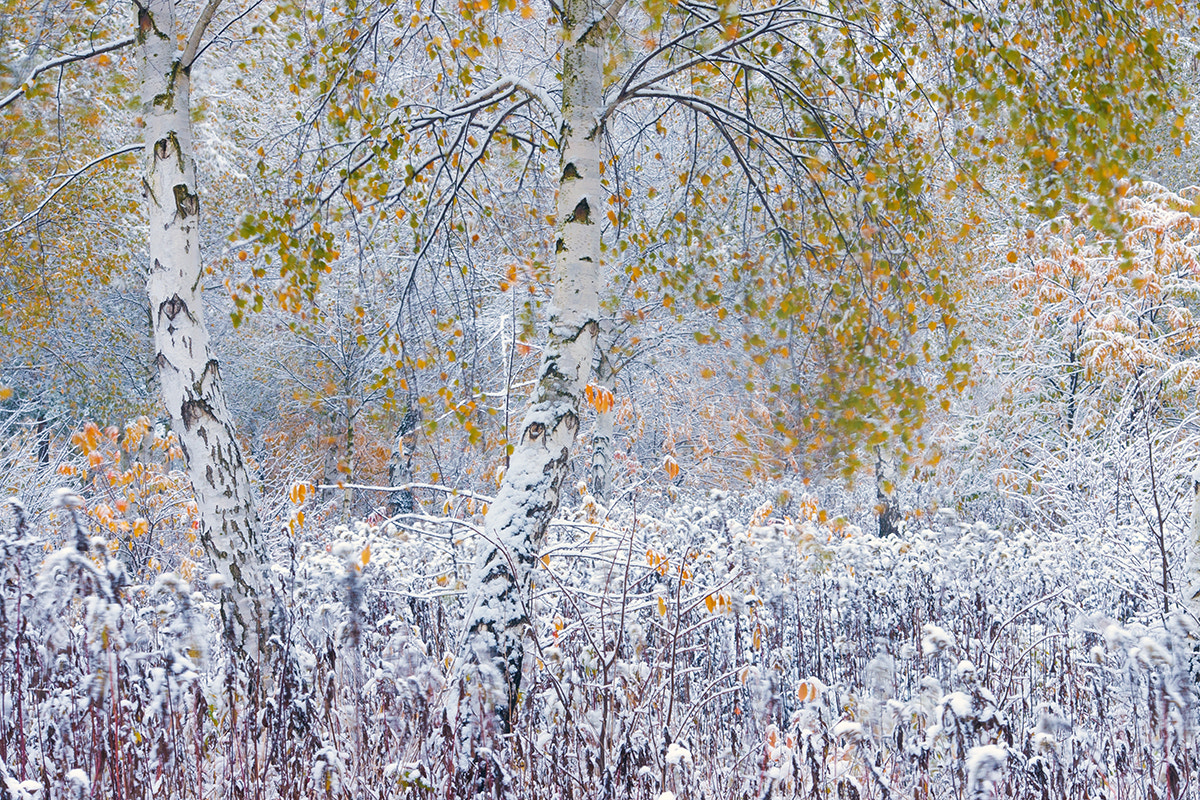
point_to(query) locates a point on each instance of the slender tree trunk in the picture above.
(189, 374)
(1192, 566)
(602, 442)
(498, 609)
(885, 493)
(401, 501)
(1191, 576)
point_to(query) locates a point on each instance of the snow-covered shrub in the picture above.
(703, 648)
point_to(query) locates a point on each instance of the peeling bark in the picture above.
(189, 375)
(516, 525)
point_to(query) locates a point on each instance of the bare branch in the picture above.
(193, 43)
(61, 61)
(609, 16)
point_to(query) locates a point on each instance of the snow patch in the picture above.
(984, 764)
(935, 640)
(677, 754)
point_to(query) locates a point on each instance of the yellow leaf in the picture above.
(366, 555)
(672, 467)
(662, 607)
(710, 603)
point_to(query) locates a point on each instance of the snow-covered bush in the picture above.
(701, 648)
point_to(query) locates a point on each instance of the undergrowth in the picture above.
(703, 650)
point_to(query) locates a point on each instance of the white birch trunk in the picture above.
(886, 477)
(188, 372)
(602, 443)
(401, 501)
(498, 610)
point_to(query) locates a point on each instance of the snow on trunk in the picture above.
(498, 609)
(189, 374)
(401, 501)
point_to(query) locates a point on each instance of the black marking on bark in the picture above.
(172, 307)
(591, 327)
(535, 430)
(498, 571)
(570, 173)
(560, 246)
(235, 572)
(195, 411)
(186, 203)
(145, 23)
(212, 370)
(581, 214)
(164, 146)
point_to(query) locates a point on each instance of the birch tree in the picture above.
(498, 612)
(764, 164)
(188, 371)
(165, 50)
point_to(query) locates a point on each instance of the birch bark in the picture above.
(498, 611)
(189, 373)
(602, 442)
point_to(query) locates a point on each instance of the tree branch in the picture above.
(129, 148)
(70, 58)
(193, 44)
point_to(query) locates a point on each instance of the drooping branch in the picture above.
(61, 61)
(67, 180)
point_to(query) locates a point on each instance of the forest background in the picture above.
(778, 277)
